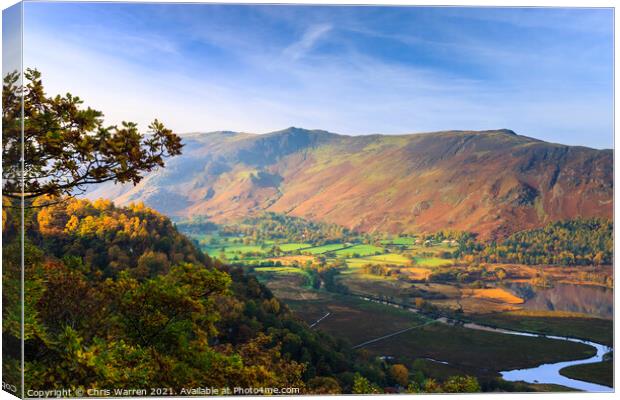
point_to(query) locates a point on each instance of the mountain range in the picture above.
(489, 182)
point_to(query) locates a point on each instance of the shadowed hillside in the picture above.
(490, 182)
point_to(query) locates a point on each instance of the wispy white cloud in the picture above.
(308, 40)
(218, 75)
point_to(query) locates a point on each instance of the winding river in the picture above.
(550, 373)
(544, 373)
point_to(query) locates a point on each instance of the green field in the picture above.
(279, 270)
(383, 259)
(356, 254)
(288, 247)
(324, 249)
(431, 261)
(355, 263)
(361, 250)
(391, 258)
(233, 249)
(400, 241)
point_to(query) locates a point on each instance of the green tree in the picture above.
(414, 387)
(362, 385)
(170, 310)
(67, 146)
(461, 384)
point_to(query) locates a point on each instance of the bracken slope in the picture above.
(489, 182)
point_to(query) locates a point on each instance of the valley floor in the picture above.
(365, 291)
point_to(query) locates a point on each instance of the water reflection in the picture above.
(593, 300)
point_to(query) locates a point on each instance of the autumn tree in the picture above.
(66, 146)
(461, 384)
(580, 241)
(432, 386)
(400, 374)
(324, 385)
(361, 385)
(151, 263)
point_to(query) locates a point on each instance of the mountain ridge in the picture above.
(407, 134)
(492, 182)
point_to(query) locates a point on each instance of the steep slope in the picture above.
(117, 297)
(490, 182)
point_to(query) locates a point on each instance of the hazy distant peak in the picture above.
(506, 131)
(294, 131)
(211, 133)
(478, 132)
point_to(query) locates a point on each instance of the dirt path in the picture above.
(393, 334)
(320, 319)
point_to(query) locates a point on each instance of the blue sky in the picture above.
(545, 73)
(11, 34)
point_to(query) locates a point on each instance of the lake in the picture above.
(592, 300)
